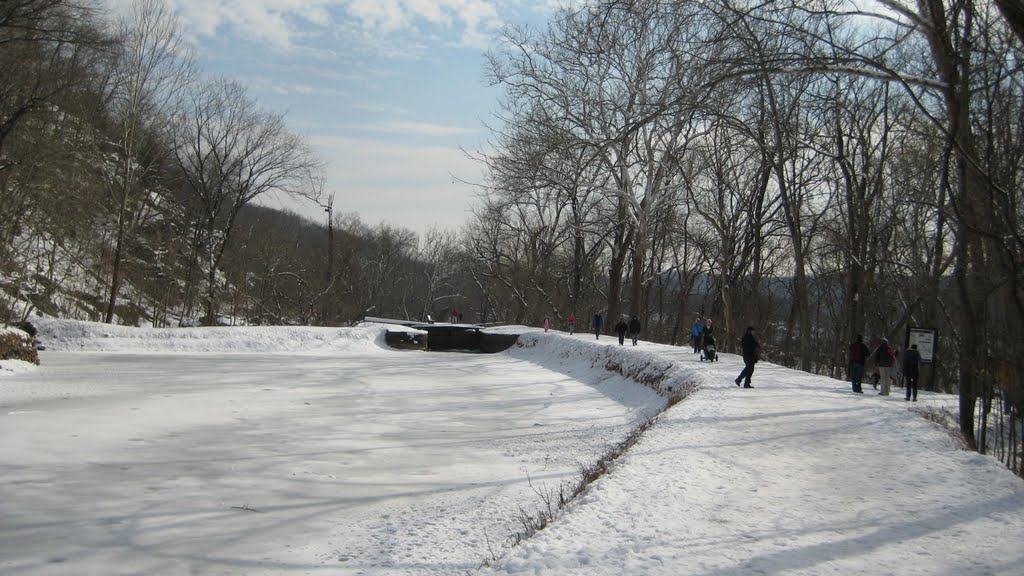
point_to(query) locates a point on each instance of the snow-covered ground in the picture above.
(319, 451)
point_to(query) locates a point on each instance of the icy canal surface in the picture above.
(363, 461)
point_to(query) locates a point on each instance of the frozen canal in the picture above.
(365, 461)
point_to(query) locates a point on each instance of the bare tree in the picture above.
(231, 152)
(439, 255)
(605, 80)
(150, 74)
(727, 177)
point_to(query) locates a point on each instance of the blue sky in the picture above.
(386, 91)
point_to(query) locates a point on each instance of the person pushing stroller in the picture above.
(707, 350)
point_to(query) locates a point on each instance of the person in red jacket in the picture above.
(884, 359)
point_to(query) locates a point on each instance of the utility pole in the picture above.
(330, 238)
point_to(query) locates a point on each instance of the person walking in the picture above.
(572, 324)
(858, 354)
(597, 323)
(896, 374)
(634, 329)
(751, 350)
(695, 332)
(620, 329)
(883, 358)
(911, 370)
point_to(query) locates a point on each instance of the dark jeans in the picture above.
(857, 375)
(622, 337)
(911, 384)
(748, 371)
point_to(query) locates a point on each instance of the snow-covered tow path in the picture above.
(795, 476)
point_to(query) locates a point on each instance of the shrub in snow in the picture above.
(17, 345)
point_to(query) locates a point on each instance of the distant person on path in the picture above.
(858, 354)
(707, 332)
(597, 323)
(883, 358)
(634, 329)
(572, 324)
(695, 333)
(896, 374)
(751, 351)
(911, 370)
(547, 324)
(620, 329)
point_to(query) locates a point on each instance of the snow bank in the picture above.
(73, 335)
(575, 354)
(583, 358)
(8, 367)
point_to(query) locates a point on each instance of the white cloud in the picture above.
(409, 186)
(276, 21)
(415, 128)
(282, 22)
(268, 84)
(378, 109)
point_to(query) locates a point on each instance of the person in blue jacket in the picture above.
(696, 333)
(597, 323)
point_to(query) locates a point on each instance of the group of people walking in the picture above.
(888, 362)
(621, 329)
(633, 327)
(702, 334)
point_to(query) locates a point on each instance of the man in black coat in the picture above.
(911, 370)
(634, 329)
(620, 329)
(858, 354)
(751, 350)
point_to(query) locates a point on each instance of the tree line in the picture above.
(815, 169)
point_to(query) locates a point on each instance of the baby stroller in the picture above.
(709, 352)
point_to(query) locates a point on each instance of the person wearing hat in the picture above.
(883, 357)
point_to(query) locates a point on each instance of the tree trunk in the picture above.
(621, 241)
(115, 275)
